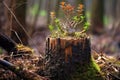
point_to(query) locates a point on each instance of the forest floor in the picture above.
(110, 66)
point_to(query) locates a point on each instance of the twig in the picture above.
(17, 36)
(75, 25)
(36, 17)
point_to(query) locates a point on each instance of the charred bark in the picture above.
(7, 43)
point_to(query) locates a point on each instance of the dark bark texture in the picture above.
(64, 55)
(7, 43)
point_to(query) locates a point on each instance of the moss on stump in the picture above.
(70, 59)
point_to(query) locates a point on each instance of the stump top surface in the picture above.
(68, 38)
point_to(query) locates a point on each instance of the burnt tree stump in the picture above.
(64, 55)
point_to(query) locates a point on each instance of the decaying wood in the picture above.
(10, 46)
(64, 54)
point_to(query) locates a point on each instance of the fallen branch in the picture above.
(12, 47)
(23, 74)
(7, 43)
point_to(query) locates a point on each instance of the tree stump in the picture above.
(65, 55)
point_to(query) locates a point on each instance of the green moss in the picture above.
(96, 66)
(1, 51)
(89, 71)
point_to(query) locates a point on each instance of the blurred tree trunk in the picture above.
(114, 14)
(32, 27)
(116, 23)
(118, 13)
(97, 24)
(113, 11)
(48, 11)
(9, 18)
(20, 13)
(2, 17)
(18, 7)
(113, 17)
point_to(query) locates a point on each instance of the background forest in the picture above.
(27, 22)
